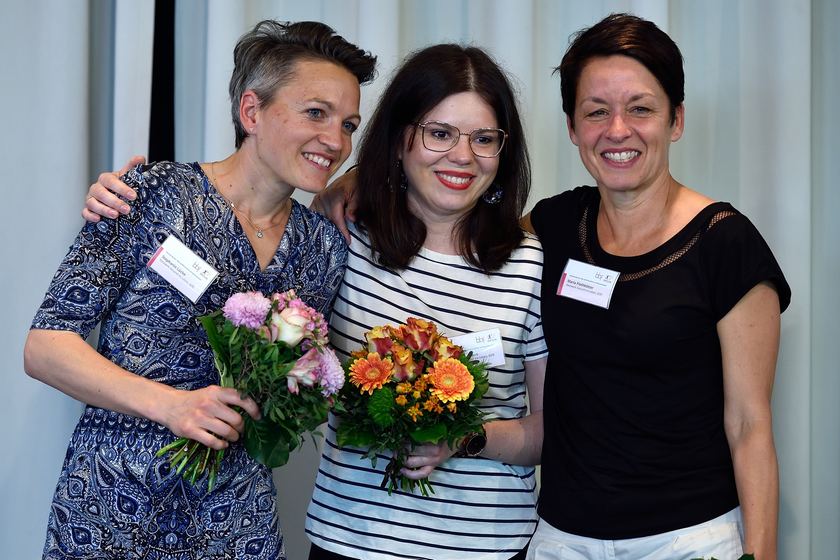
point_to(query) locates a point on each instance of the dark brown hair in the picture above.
(627, 35)
(266, 56)
(488, 233)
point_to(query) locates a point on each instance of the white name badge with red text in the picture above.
(486, 346)
(587, 283)
(187, 272)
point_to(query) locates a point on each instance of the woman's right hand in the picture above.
(103, 198)
(338, 202)
(208, 415)
(62, 359)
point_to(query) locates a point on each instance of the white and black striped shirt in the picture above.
(481, 508)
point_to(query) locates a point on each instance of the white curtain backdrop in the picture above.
(761, 84)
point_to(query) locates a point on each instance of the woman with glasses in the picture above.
(443, 177)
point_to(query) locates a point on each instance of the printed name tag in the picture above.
(587, 283)
(486, 346)
(187, 272)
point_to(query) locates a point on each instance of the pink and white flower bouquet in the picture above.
(274, 350)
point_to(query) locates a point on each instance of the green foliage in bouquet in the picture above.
(274, 351)
(408, 387)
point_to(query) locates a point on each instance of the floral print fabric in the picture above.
(114, 498)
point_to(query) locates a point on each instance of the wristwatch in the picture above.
(473, 444)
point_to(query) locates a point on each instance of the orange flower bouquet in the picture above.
(410, 385)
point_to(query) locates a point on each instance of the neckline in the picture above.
(285, 240)
(656, 255)
(441, 257)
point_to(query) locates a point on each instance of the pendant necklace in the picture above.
(258, 230)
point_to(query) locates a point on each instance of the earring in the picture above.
(493, 195)
(403, 178)
(403, 184)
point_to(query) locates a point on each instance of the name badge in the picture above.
(187, 272)
(587, 283)
(486, 346)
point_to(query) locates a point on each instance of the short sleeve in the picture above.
(93, 274)
(737, 258)
(535, 346)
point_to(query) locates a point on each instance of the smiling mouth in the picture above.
(621, 157)
(458, 182)
(320, 161)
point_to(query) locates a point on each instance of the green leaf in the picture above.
(267, 442)
(213, 336)
(354, 436)
(381, 405)
(429, 434)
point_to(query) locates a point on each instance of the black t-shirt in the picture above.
(633, 411)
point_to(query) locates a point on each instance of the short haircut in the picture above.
(488, 233)
(266, 56)
(627, 35)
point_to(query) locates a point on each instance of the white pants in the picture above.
(721, 537)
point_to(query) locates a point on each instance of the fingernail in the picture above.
(112, 214)
(124, 209)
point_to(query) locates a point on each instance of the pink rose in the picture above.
(289, 325)
(304, 372)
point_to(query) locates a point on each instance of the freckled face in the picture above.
(305, 133)
(622, 124)
(446, 185)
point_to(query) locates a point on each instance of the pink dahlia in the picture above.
(248, 309)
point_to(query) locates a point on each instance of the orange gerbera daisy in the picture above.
(451, 380)
(371, 373)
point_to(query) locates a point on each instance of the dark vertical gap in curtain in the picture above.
(101, 86)
(162, 114)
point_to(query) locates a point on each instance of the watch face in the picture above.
(475, 444)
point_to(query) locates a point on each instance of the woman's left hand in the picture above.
(424, 458)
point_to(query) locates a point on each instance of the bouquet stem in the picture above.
(191, 460)
(393, 479)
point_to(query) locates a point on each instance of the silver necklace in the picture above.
(258, 230)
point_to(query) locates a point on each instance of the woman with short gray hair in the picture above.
(295, 100)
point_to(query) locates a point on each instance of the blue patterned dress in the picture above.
(114, 499)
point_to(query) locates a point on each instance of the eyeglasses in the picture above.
(442, 137)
